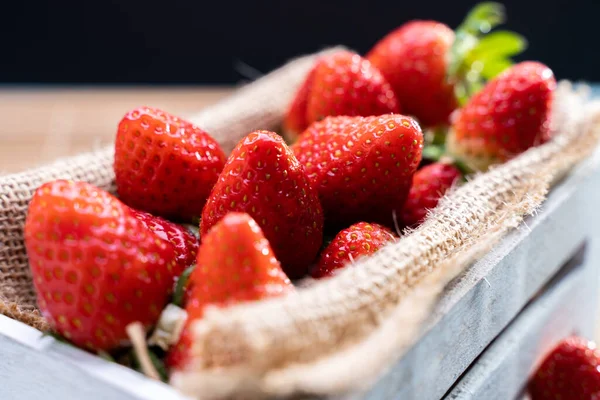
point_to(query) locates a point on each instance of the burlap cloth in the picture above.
(339, 334)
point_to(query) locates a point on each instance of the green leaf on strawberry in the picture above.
(433, 152)
(483, 18)
(497, 45)
(476, 54)
(492, 54)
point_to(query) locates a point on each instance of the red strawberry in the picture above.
(183, 241)
(414, 60)
(432, 69)
(571, 371)
(165, 165)
(361, 166)
(96, 267)
(508, 116)
(429, 185)
(235, 264)
(361, 239)
(263, 178)
(295, 120)
(342, 83)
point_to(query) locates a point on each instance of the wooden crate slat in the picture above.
(502, 371)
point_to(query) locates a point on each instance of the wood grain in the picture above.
(40, 125)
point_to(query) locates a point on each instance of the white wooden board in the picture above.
(502, 371)
(35, 367)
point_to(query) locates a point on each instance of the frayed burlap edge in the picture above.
(311, 342)
(258, 105)
(28, 315)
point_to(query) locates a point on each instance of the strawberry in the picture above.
(263, 178)
(362, 167)
(414, 60)
(432, 69)
(235, 264)
(361, 239)
(96, 267)
(508, 116)
(342, 83)
(165, 165)
(570, 371)
(183, 241)
(295, 120)
(429, 185)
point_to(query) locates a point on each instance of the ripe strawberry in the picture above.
(165, 165)
(429, 185)
(235, 264)
(342, 83)
(433, 69)
(96, 267)
(570, 371)
(183, 241)
(508, 116)
(361, 239)
(414, 60)
(264, 179)
(362, 167)
(295, 120)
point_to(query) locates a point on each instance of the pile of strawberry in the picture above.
(373, 143)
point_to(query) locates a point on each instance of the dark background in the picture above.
(200, 42)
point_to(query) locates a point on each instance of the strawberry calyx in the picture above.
(181, 286)
(477, 54)
(436, 152)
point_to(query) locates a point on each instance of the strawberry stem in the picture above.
(181, 284)
(144, 357)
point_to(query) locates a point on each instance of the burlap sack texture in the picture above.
(311, 342)
(259, 105)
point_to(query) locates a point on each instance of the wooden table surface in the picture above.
(40, 125)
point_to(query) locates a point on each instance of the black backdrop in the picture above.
(200, 42)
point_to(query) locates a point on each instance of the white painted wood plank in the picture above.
(502, 371)
(33, 366)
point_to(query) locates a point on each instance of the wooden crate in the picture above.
(561, 310)
(478, 308)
